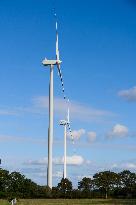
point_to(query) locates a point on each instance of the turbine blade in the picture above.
(59, 72)
(68, 116)
(57, 42)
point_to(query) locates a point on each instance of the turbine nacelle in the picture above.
(46, 62)
(64, 122)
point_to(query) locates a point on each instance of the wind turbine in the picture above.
(51, 64)
(65, 123)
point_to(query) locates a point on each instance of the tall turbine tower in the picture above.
(51, 64)
(65, 123)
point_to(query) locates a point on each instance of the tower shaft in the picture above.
(50, 142)
(65, 150)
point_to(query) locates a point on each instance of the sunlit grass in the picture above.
(71, 202)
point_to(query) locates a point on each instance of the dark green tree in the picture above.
(29, 189)
(4, 182)
(85, 186)
(127, 179)
(128, 183)
(76, 194)
(16, 184)
(55, 192)
(105, 181)
(65, 188)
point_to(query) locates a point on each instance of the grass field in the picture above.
(71, 202)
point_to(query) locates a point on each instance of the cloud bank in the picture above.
(118, 131)
(128, 95)
(77, 110)
(74, 160)
(91, 136)
(8, 112)
(76, 134)
(21, 139)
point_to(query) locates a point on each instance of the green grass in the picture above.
(72, 202)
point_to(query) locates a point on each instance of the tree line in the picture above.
(104, 184)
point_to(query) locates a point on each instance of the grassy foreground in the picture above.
(71, 202)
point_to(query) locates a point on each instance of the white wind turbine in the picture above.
(65, 123)
(51, 64)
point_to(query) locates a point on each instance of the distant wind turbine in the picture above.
(65, 123)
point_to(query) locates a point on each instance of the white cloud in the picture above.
(71, 160)
(7, 112)
(10, 138)
(37, 162)
(118, 131)
(80, 177)
(77, 110)
(58, 174)
(91, 136)
(40, 172)
(129, 95)
(116, 166)
(76, 134)
(130, 165)
(75, 160)
(43, 174)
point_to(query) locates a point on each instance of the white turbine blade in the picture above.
(58, 66)
(68, 116)
(57, 42)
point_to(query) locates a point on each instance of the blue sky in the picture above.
(97, 43)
